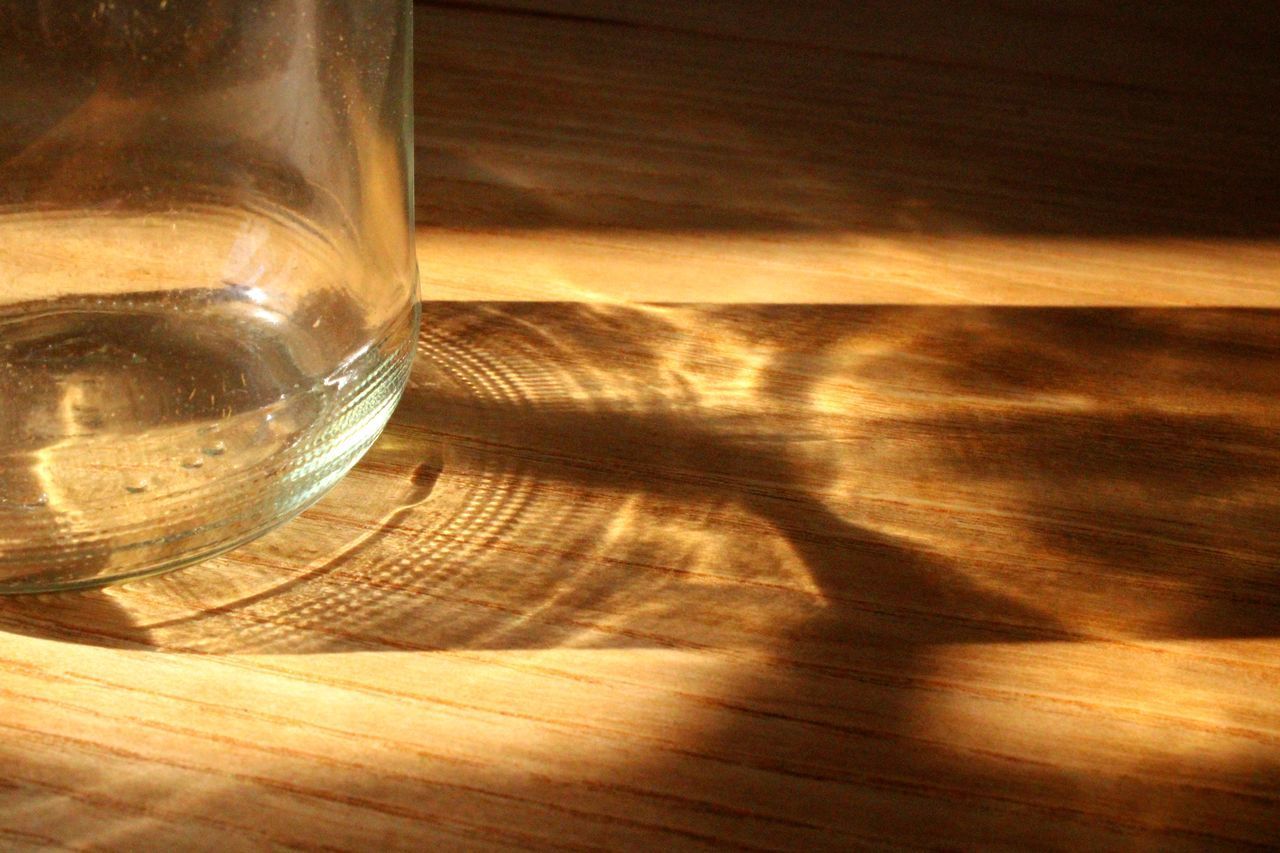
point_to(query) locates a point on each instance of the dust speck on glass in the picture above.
(208, 293)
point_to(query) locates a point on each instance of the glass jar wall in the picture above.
(208, 293)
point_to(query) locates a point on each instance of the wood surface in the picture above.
(832, 429)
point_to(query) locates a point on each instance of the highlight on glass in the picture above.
(208, 292)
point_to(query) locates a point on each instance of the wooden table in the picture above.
(840, 428)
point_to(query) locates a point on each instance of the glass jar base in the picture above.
(140, 440)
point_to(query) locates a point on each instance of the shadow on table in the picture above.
(852, 492)
(611, 477)
(933, 117)
(577, 475)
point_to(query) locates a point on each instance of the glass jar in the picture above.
(208, 292)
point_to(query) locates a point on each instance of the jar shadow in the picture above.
(589, 477)
(554, 480)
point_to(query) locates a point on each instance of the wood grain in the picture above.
(766, 480)
(947, 152)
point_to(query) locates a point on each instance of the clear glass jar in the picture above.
(208, 292)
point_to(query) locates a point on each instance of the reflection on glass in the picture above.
(207, 281)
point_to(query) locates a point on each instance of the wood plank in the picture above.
(568, 160)
(759, 576)
(1230, 49)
